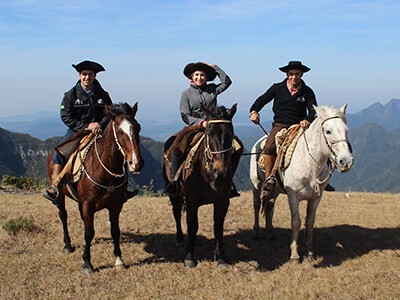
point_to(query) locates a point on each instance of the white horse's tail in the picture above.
(254, 173)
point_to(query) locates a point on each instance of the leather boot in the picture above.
(329, 188)
(234, 193)
(270, 180)
(52, 192)
(172, 187)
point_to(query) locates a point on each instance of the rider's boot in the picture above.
(52, 192)
(172, 187)
(270, 179)
(234, 193)
(329, 188)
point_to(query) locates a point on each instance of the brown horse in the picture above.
(104, 178)
(207, 181)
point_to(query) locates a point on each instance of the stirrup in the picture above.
(172, 188)
(52, 193)
(270, 183)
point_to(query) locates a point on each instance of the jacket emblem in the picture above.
(301, 99)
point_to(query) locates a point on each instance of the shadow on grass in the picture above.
(334, 245)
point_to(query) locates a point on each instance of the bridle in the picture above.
(331, 164)
(123, 174)
(207, 151)
(329, 144)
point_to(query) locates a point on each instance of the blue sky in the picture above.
(352, 48)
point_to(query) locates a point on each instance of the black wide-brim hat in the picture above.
(193, 67)
(89, 65)
(295, 65)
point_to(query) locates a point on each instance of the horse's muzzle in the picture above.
(135, 168)
(344, 165)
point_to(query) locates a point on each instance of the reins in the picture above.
(207, 149)
(331, 163)
(104, 167)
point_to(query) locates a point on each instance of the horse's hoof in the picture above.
(68, 250)
(295, 261)
(119, 264)
(190, 263)
(88, 271)
(310, 257)
(223, 263)
(119, 268)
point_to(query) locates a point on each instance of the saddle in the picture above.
(74, 150)
(286, 141)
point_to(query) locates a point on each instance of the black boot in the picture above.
(329, 188)
(172, 187)
(234, 193)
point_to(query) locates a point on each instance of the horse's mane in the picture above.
(328, 111)
(119, 109)
(219, 113)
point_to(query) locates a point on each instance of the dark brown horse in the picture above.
(104, 178)
(207, 181)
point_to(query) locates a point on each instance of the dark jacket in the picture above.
(288, 109)
(78, 109)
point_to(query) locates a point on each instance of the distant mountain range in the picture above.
(374, 134)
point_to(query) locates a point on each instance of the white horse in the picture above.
(323, 147)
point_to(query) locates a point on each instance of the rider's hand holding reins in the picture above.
(95, 128)
(304, 123)
(254, 117)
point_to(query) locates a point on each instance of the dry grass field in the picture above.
(357, 243)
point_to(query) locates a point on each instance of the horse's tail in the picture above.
(254, 177)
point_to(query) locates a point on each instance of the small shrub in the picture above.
(23, 183)
(19, 224)
(148, 190)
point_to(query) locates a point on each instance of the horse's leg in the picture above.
(62, 213)
(87, 215)
(177, 211)
(269, 204)
(193, 227)
(296, 224)
(256, 206)
(312, 206)
(114, 213)
(220, 210)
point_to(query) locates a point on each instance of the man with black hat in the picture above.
(293, 104)
(81, 108)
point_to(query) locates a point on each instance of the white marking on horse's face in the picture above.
(127, 128)
(336, 132)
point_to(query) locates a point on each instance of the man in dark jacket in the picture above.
(81, 108)
(293, 104)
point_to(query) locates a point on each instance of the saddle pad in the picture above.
(79, 156)
(286, 141)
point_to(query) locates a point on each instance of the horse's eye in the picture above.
(328, 132)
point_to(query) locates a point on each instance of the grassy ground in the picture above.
(357, 243)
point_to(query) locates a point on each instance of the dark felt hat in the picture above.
(89, 65)
(295, 65)
(193, 67)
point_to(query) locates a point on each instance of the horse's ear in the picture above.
(134, 109)
(109, 112)
(317, 110)
(205, 110)
(232, 111)
(343, 109)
